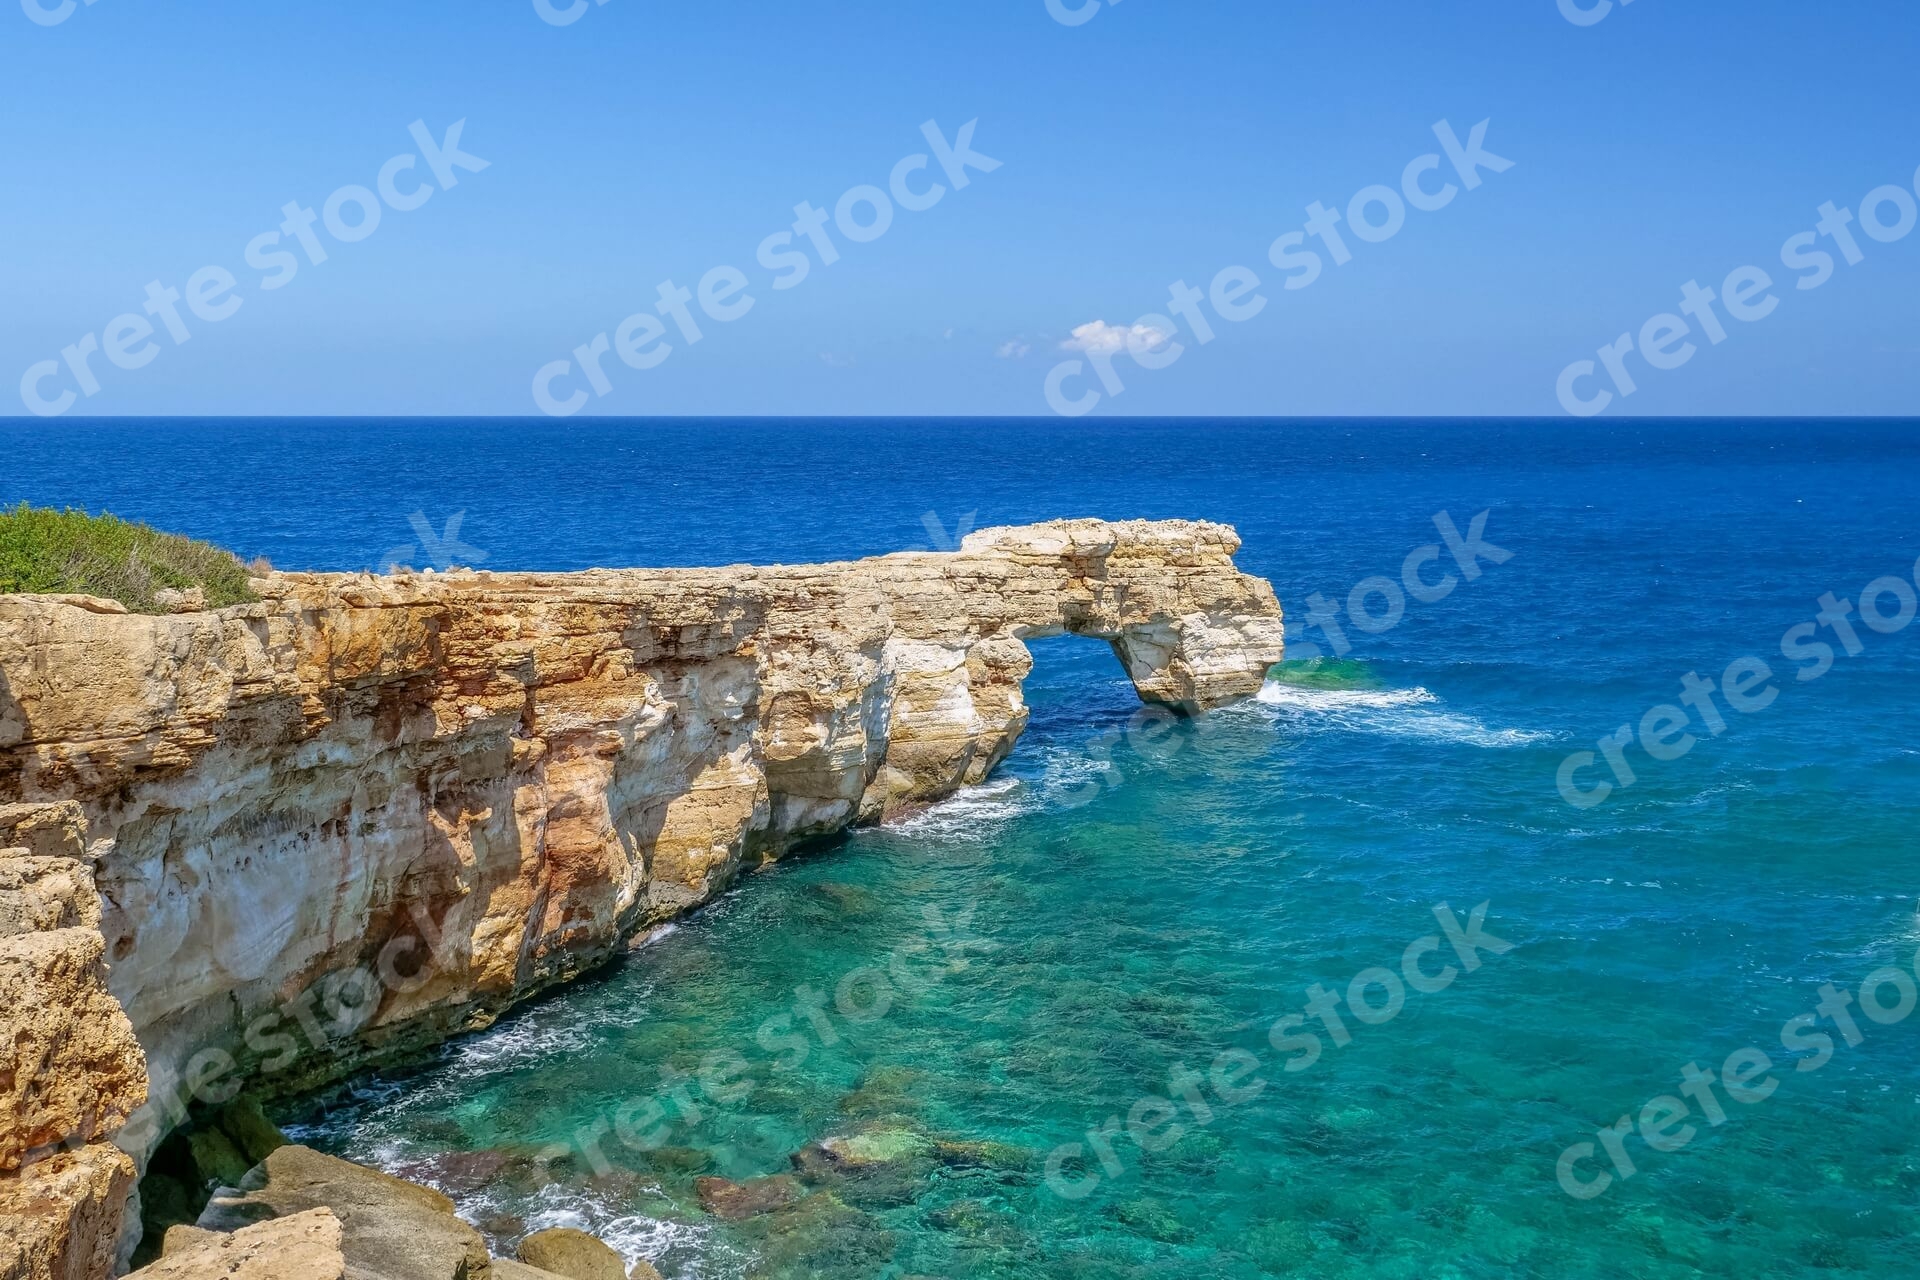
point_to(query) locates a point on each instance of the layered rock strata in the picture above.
(282, 841)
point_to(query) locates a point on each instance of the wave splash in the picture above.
(1400, 713)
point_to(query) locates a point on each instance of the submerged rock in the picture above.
(860, 1152)
(678, 1159)
(822, 1235)
(738, 1201)
(459, 1172)
(849, 899)
(879, 1167)
(985, 1155)
(885, 1091)
(1152, 1219)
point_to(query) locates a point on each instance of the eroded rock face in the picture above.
(368, 813)
(72, 1072)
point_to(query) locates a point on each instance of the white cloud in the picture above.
(1100, 337)
(1013, 350)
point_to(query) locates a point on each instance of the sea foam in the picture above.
(1402, 713)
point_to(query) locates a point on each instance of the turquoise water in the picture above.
(1161, 900)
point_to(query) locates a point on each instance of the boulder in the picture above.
(391, 1229)
(301, 1246)
(572, 1254)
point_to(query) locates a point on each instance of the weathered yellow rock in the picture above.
(572, 1254)
(387, 1227)
(60, 1217)
(450, 791)
(74, 1071)
(304, 1246)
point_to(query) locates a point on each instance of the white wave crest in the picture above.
(1392, 712)
(1275, 694)
(693, 1249)
(1059, 776)
(971, 811)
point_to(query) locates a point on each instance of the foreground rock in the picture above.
(391, 1229)
(365, 814)
(302, 1215)
(305, 1246)
(60, 1217)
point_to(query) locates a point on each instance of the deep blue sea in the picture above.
(1126, 909)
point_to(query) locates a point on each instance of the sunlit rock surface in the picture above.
(368, 813)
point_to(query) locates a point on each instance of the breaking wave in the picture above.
(1401, 713)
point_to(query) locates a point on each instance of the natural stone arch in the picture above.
(533, 768)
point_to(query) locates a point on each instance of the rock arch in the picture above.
(524, 770)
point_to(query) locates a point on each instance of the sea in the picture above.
(1345, 982)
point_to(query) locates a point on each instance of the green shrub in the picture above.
(71, 552)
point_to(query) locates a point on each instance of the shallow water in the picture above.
(1126, 904)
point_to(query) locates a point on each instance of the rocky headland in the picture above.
(270, 845)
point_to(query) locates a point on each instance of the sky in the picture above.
(627, 143)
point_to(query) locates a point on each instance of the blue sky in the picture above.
(1672, 140)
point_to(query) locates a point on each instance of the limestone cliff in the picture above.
(367, 813)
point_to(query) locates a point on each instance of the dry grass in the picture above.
(71, 552)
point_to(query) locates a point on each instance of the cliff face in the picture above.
(368, 813)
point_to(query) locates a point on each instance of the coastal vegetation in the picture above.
(70, 552)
